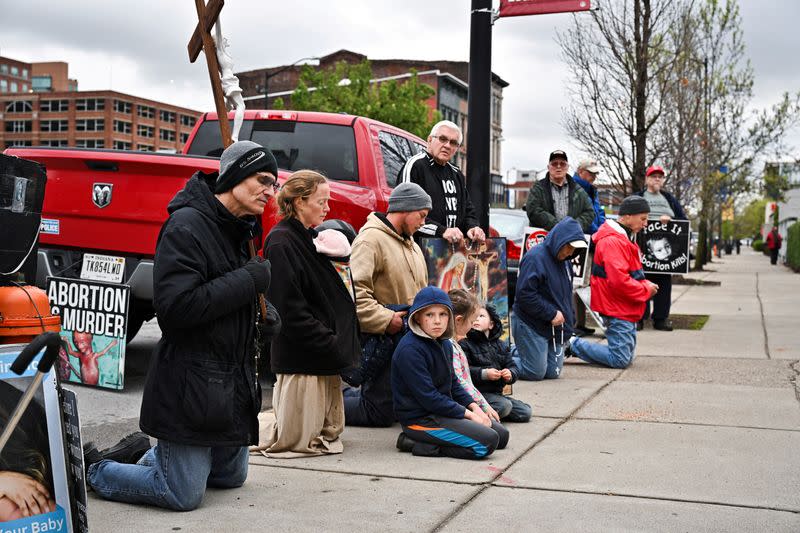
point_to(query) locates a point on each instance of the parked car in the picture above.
(511, 224)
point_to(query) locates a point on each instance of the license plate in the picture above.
(103, 268)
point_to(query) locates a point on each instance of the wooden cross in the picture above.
(207, 16)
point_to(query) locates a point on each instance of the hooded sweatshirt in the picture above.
(485, 352)
(619, 288)
(544, 284)
(423, 380)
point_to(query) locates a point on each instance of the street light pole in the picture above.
(268, 75)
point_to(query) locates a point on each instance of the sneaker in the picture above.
(129, 450)
(91, 455)
(583, 331)
(640, 325)
(662, 325)
(568, 347)
(405, 443)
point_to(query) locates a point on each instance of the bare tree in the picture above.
(619, 61)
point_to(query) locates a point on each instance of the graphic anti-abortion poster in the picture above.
(479, 268)
(32, 464)
(580, 274)
(93, 327)
(665, 246)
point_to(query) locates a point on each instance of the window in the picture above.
(90, 104)
(327, 148)
(3, 86)
(395, 151)
(186, 120)
(19, 106)
(25, 73)
(90, 143)
(19, 126)
(3, 69)
(166, 135)
(121, 126)
(184, 137)
(90, 124)
(145, 111)
(41, 83)
(19, 142)
(54, 125)
(24, 87)
(13, 86)
(166, 116)
(144, 147)
(57, 143)
(14, 71)
(144, 131)
(53, 106)
(122, 107)
(122, 145)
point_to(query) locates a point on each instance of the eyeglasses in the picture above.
(268, 181)
(559, 164)
(447, 140)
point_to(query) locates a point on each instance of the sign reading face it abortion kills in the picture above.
(665, 246)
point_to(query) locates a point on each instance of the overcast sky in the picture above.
(140, 48)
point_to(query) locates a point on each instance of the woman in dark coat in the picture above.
(319, 337)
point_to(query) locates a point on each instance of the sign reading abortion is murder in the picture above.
(665, 246)
(94, 328)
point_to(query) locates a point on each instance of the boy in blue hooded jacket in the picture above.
(438, 417)
(543, 318)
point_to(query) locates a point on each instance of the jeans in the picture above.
(371, 405)
(509, 408)
(460, 438)
(621, 336)
(538, 357)
(170, 475)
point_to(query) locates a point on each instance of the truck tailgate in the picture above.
(112, 201)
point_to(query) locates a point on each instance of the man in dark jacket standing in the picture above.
(556, 196)
(543, 317)
(201, 398)
(665, 207)
(452, 215)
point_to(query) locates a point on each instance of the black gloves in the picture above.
(260, 270)
(272, 325)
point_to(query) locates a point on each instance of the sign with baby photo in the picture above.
(34, 465)
(665, 246)
(94, 320)
(479, 268)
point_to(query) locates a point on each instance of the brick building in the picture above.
(41, 106)
(449, 79)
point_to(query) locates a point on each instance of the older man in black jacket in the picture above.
(201, 398)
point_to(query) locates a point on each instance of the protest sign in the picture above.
(479, 268)
(93, 326)
(536, 236)
(35, 450)
(665, 246)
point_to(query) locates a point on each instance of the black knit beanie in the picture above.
(633, 205)
(240, 160)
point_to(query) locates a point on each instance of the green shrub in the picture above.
(758, 246)
(793, 246)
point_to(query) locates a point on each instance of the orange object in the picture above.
(23, 311)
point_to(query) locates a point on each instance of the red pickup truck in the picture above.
(114, 202)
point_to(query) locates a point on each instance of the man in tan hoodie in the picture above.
(388, 269)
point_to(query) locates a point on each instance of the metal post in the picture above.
(266, 89)
(479, 108)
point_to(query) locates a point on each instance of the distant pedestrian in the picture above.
(664, 207)
(319, 336)
(619, 287)
(774, 241)
(201, 398)
(438, 417)
(452, 216)
(543, 318)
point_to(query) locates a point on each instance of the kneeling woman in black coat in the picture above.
(319, 337)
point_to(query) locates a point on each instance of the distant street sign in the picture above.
(518, 8)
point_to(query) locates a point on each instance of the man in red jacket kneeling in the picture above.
(619, 288)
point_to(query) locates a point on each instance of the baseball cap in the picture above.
(591, 165)
(580, 243)
(654, 169)
(558, 154)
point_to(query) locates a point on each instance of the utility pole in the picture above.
(479, 108)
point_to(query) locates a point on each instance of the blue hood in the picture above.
(565, 232)
(425, 298)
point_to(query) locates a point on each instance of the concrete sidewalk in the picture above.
(701, 433)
